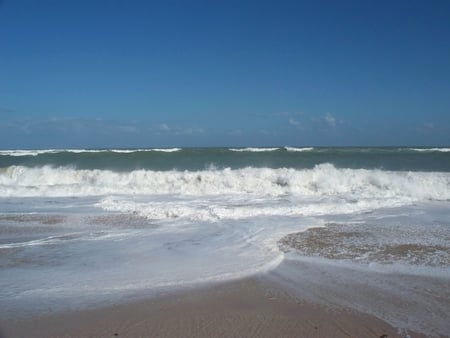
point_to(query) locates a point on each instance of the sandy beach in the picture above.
(245, 308)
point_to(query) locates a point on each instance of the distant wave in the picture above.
(253, 150)
(166, 150)
(28, 152)
(299, 149)
(80, 151)
(443, 150)
(127, 151)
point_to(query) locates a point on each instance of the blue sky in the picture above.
(223, 73)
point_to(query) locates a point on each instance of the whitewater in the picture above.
(83, 228)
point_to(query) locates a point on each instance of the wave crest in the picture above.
(296, 149)
(253, 150)
(441, 150)
(18, 153)
(322, 180)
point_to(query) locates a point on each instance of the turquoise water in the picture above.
(404, 159)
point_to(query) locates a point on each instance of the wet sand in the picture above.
(246, 308)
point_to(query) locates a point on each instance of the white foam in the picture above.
(214, 210)
(443, 150)
(294, 149)
(94, 265)
(67, 237)
(36, 152)
(129, 151)
(166, 150)
(351, 185)
(253, 150)
(80, 151)
(28, 152)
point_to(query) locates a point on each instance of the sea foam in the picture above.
(19, 152)
(442, 150)
(296, 149)
(253, 150)
(322, 180)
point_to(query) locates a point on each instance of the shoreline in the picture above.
(313, 294)
(251, 307)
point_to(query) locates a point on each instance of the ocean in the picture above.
(82, 228)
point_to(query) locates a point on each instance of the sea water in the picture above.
(90, 227)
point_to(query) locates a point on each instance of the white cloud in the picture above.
(295, 119)
(330, 120)
(294, 122)
(163, 127)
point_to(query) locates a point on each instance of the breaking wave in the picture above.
(322, 180)
(19, 152)
(295, 149)
(442, 150)
(253, 150)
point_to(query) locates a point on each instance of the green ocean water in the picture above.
(192, 159)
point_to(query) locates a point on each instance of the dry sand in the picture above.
(245, 308)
